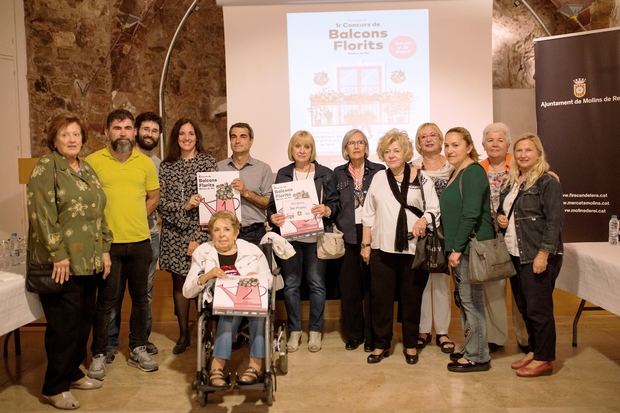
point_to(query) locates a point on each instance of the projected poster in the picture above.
(365, 69)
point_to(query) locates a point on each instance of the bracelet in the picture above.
(363, 245)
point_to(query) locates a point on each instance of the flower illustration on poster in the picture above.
(398, 76)
(321, 78)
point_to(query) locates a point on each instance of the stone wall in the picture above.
(88, 57)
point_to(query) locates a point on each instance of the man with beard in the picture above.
(254, 182)
(148, 128)
(129, 180)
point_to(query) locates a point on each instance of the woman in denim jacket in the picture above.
(532, 213)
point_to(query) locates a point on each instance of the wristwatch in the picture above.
(363, 245)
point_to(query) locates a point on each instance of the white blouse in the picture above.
(381, 210)
(510, 238)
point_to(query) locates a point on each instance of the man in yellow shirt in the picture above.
(130, 182)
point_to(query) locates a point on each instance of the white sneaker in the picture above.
(96, 370)
(293, 341)
(140, 358)
(314, 341)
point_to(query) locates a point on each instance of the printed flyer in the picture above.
(295, 200)
(240, 295)
(217, 194)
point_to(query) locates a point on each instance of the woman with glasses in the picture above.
(352, 180)
(436, 298)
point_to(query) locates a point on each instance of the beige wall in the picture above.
(15, 136)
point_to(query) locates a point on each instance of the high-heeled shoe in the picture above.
(181, 345)
(376, 358)
(411, 358)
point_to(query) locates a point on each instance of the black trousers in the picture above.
(354, 283)
(132, 260)
(534, 297)
(69, 318)
(389, 272)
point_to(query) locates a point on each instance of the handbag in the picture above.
(330, 245)
(429, 251)
(489, 260)
(39, 279)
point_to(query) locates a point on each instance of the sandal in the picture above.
(423, 340)
(249, 376)
(217, 378)
(446, 346)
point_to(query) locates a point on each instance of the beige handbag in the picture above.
(330, 245)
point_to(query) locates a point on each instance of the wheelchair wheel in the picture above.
(268, 390)
(202, 398)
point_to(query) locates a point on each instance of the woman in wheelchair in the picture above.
(225, 250)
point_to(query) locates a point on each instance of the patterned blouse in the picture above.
(177, 181)
(439, 177)
(496, 180)
(65, 211)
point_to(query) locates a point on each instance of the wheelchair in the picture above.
(276, 353)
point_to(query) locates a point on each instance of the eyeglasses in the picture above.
(430, 135)
(150, 131)
(353, 143)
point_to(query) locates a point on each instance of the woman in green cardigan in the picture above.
(465, 210)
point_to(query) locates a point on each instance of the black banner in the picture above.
(578, 115)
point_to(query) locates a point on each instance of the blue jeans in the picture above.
(115, 316)
(227, 328)
(304, 263)
(475, 346)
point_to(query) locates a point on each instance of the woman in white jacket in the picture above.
(225, 249)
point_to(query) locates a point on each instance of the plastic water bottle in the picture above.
(14, 247)
(613, 230)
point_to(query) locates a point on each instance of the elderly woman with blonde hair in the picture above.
(397, 209)
(532, 212)
(305, 263)
(436, 301)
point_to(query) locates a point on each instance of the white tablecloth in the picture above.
(18, 307)
(591, 270)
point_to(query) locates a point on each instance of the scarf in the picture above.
(400, 241)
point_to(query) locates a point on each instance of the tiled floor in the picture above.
(586, 379)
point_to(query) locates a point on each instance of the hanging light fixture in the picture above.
(572, 12)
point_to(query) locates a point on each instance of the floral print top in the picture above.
(65, 212)
(496, 180)
(177, 181)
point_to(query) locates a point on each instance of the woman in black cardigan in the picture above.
(352, 182)
(305, 263)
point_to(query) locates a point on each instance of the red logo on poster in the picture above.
(402, 47)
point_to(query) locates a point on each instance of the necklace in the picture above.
(296, 177)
